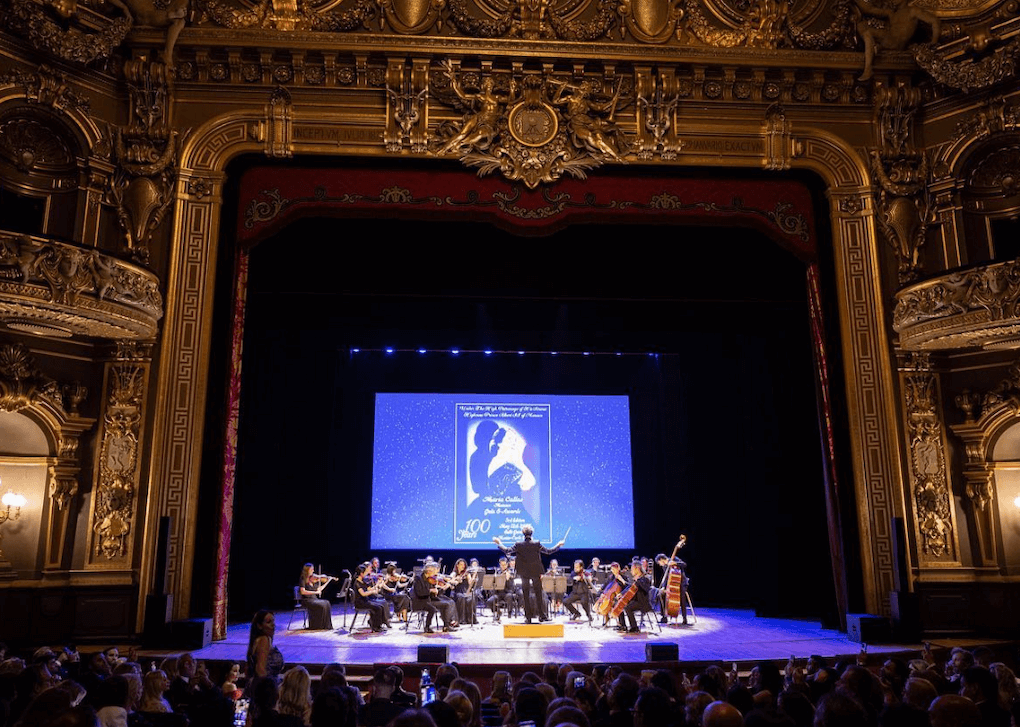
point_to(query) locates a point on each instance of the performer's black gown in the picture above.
(319, 617)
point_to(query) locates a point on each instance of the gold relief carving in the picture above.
(142, 184)
(63, 488)
(657, 102)
(22, 384)
(905, 207)
(650, 21)
(996, 116)
(64, 29)
(901, 23)
(964, 73)
(48, 88)
(30, 144)
(74, 290)
(980, 306)
(279, 124)
(406, 120)
(925, 442)
(534, 132)
(780, 147)
(997, 173)
(116, 484)
(411, 17)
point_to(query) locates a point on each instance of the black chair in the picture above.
(298, 606)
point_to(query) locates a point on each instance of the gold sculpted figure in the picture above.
(902, 21)
(590, 122)
(480, 128)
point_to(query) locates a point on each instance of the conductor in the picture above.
(529, 567)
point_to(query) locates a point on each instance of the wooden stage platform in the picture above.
(720, 635)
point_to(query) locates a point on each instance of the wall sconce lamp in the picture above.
(10, 501)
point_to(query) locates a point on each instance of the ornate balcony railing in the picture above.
(978, 307)
(56, 289)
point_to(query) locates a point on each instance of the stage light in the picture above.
(488, 352)
(421, 350)
(355, 350)
(520, 353)
(1016, 501)
(389, 350)
(454, 351)
(587, 353)
(553, 353)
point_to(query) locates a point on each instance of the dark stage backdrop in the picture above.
(726, 445)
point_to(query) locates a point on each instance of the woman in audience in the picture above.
(154, 686)
(295, 706)
(264, 659)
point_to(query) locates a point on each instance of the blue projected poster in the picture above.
(454, 470)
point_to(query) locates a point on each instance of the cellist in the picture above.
(641, 584)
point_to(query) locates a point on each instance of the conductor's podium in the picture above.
(533, 631)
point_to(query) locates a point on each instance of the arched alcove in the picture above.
(24, 463)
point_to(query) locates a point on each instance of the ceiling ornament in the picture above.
(892, 28)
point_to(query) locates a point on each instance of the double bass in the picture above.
(674, 582)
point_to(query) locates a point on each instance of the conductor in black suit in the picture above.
(529, 567)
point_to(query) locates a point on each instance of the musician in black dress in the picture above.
(639, 602)
(580, 591)
(366, 596)
(310, 588)
(425, 597)
(464, 591)
(394, 589)
(529, 567)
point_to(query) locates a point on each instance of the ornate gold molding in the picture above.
(930, 484)
(63, 290)
(979, 307)
(115, 495)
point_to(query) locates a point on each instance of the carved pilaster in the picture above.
(114, 518)
(931, 497)
(276, 132)
(141, 188)
(657, 101)
(406, 106)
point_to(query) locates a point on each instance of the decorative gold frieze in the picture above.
(58, 289)
(979, 307)
(961, 71)
(897, 25)
(929, 481)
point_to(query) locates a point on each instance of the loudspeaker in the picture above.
(662, 651)
(906, 615)
(158, 612)
(433, 654)
(192, 633)
(162, 555)
(866, 628)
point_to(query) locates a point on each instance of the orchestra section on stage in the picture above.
(607, 595)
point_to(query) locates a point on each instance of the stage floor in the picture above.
(724, 635)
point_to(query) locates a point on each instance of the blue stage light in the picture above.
(454, 351)
(421, 350)
(355, 350)
(488, 352)
(520, 353)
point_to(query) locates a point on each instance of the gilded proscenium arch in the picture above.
(185, 349)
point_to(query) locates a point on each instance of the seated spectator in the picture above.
(652, 708)
(721, 714)
(295, 703)
(381, 708)
(919, 693)
(952, 710)
(330, 708)
(979, 685)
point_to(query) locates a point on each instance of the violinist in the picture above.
(641, 584)
(310, 587)
(366, 596)
(580, 590)
(463, 580)
(393, 588)
(425, 597)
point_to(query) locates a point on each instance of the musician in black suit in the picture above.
(579, 591)
(640, 601)
(425, 597)
(530, 569)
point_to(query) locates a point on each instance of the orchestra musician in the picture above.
(529, 554)
(366, 596)
(464, 591)
(310, 587)
(617, 575)
(658, 595)
(425, 597)
(639, 601)
(508, 596)
(580, 590)
(393, 586)
(554, 598)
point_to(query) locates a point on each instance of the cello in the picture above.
(604, 603)
(674, 582)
